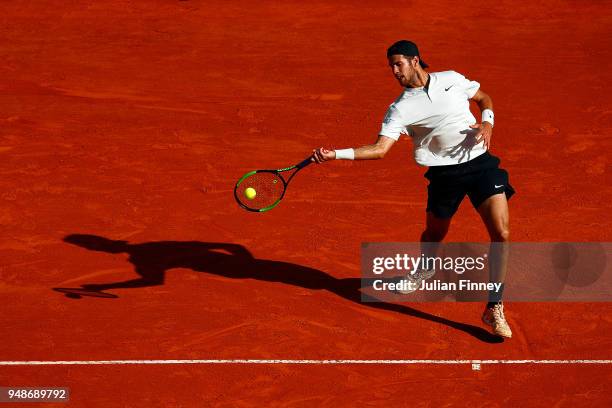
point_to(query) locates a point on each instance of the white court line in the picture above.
(308, 362)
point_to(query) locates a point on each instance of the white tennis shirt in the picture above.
(437, 119)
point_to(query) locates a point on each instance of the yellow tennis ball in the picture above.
(250, 193)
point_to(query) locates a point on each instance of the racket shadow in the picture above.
(152, 260)
(78, 293)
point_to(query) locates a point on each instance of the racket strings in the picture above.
(269, 188)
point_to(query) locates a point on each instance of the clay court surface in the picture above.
(132, 120)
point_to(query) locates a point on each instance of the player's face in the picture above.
(403, 68)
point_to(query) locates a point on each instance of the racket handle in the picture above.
(304, 163)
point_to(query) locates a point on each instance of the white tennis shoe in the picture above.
(494, 317)
(415, 280)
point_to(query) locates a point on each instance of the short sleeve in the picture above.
(393, 125)
(468, 87)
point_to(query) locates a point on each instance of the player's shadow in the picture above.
(151, 260)
(463, 151)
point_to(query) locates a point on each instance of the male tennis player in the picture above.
(434, 111)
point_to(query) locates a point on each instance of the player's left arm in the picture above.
(485, 129)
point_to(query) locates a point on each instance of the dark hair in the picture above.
(407, 49)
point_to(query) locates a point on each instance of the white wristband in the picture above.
(345, 154)
(487, 116)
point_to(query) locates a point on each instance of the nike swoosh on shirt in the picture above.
(446, 89)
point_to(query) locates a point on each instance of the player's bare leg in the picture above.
(435, 231)
(496, 216)
(436, 228)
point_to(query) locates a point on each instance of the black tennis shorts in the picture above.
(479, 178)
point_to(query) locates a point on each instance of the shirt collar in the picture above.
(420, 88)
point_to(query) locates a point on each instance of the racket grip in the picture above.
(304, 163)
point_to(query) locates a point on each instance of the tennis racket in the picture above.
(262, 190)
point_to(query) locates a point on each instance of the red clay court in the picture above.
(124, 126)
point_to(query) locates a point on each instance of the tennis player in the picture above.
(433, 110)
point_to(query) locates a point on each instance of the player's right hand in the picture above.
(322, 154)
